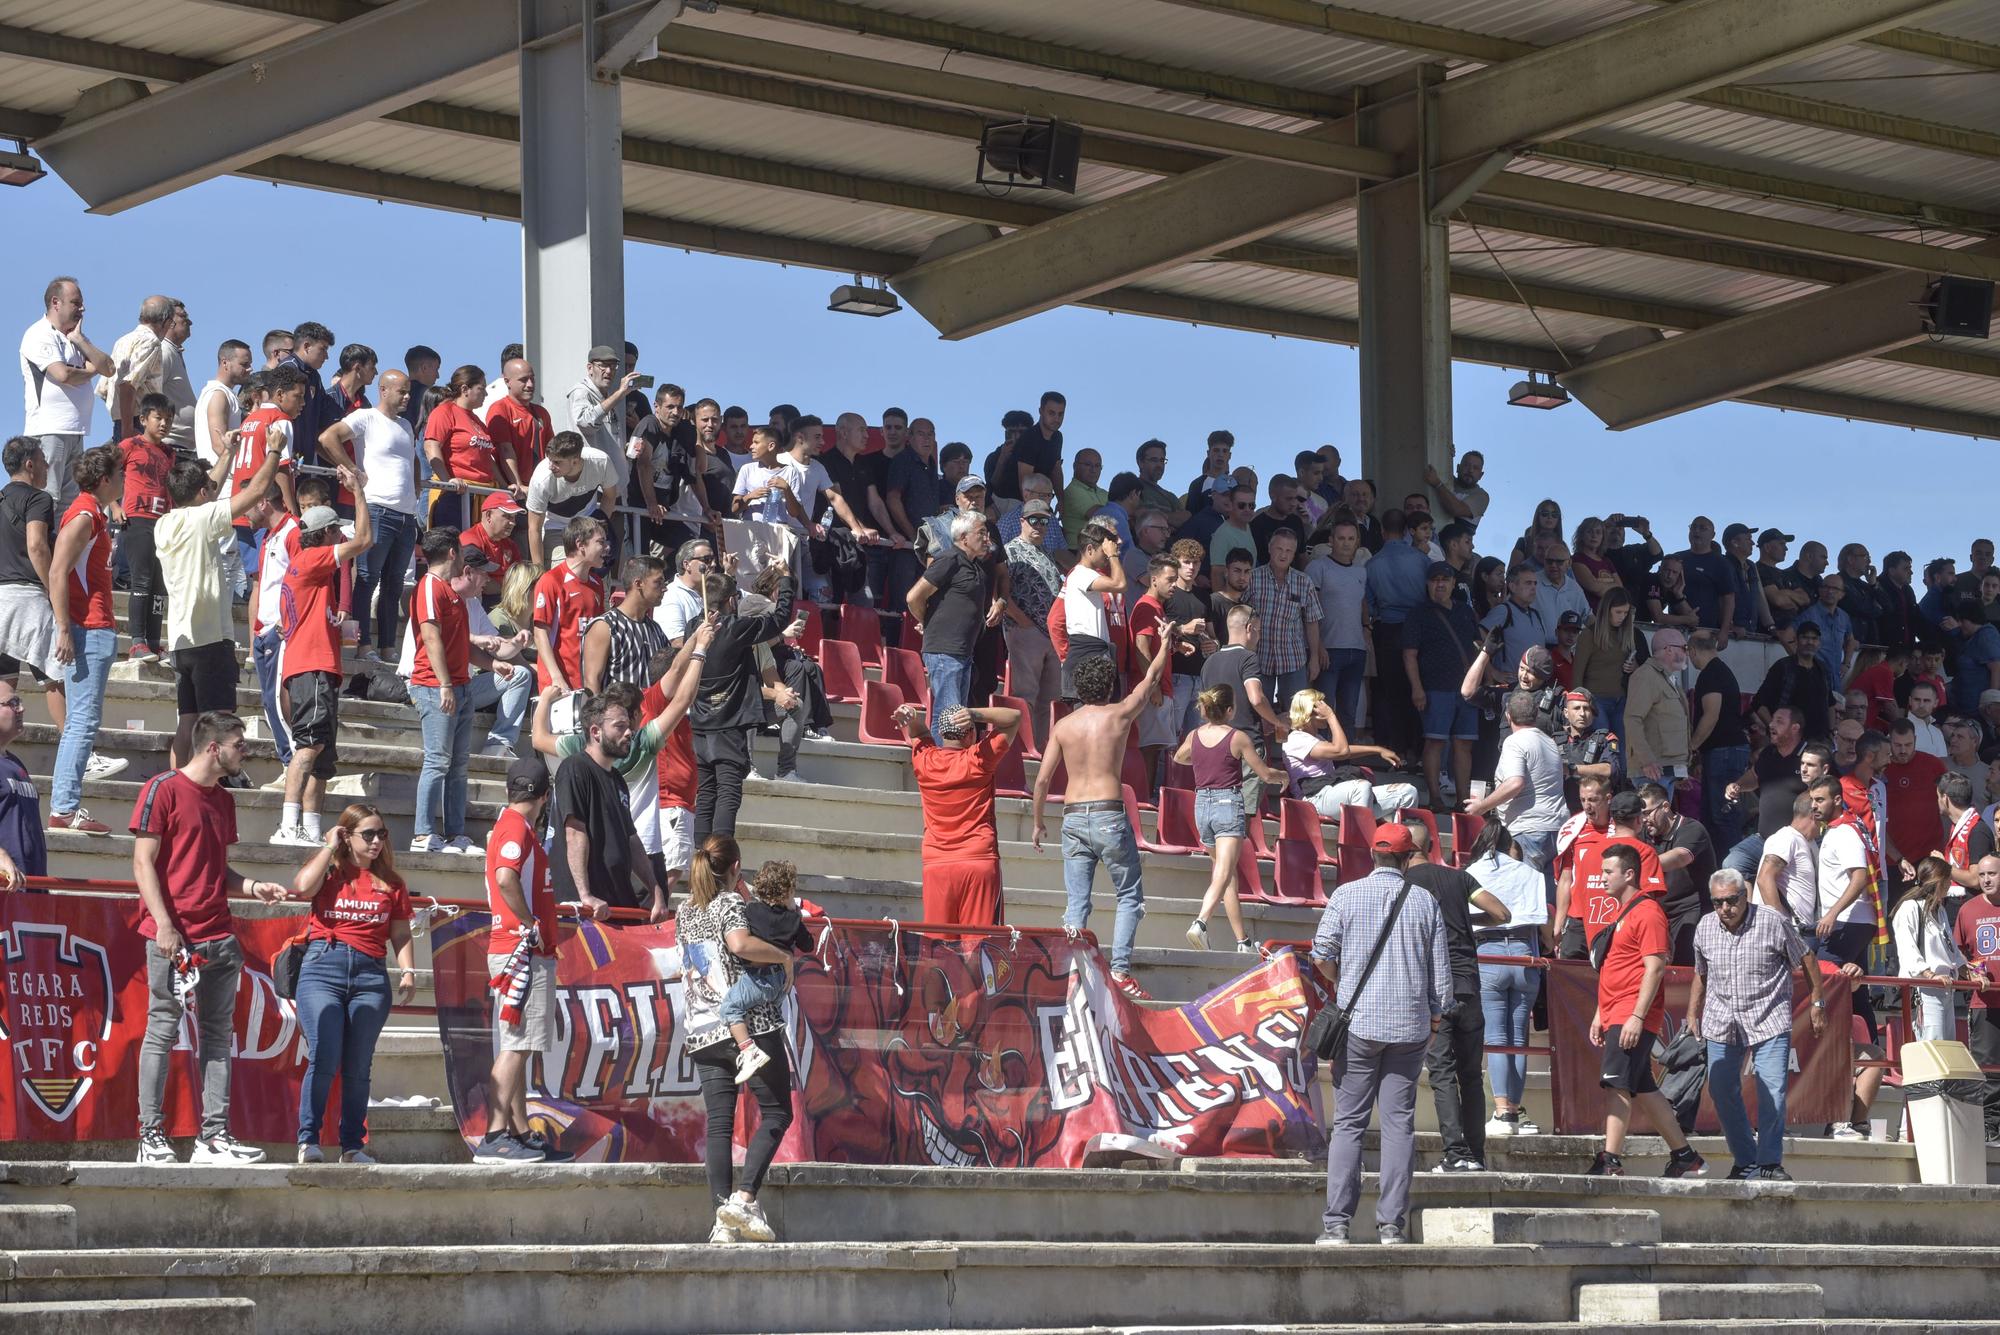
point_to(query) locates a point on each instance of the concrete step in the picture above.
(1697, 1302)
(122, 1204)
(928, 1286)
(147, 1316)
(37, 1226)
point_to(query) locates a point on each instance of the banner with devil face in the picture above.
(1006, 1050)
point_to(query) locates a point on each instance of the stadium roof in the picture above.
(1608, 183)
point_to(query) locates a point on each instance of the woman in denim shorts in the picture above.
(1219, 753)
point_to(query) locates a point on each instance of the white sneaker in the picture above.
(463, 847)
(358, 1157)
(497, 746)
(1526, 1126)
(1497, 1126)
(723, 1233)
(309, 1153)
(749, 1061)
(224, 1148)
(1197, 934)
(426, 843)
(156, 1148)
(292, 836)
(103, 767)
(1850, 1131)
(747, 1218)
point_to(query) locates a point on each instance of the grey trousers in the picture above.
(1369, 1072)
(215, 1028)
(61, 452)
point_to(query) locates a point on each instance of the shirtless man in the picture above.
(1090, 742)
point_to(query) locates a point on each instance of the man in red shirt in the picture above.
(1158, 727)
(1978, 933)
(955, 779)
(1915, 828)
(184, 824)
(500, 515)
(1583, 905)
(86, 631)
(519, 895)
(565, 598)
(439, 671)
(521, 428)
(148, 460)
(1631, 1013)
(309, 620)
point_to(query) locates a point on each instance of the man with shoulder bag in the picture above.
(1382, 951)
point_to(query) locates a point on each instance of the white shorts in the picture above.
(677, 838)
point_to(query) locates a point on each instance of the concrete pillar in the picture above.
(1405, 278)
(572, 198)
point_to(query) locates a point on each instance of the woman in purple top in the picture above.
(1219, 753)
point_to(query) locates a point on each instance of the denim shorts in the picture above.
(1218, 814)
(1448, 715)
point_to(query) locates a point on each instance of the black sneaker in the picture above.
(1684, 1162)
(1458, 1163)
(1606, 1165)
(1772, 1172)
(1744, 1173)
(535, 1140)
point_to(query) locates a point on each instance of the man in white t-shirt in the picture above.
(763, 489)
(1527, 784)
(1788, 870)
(574, 479)
(503, 683)
(57, 362)
(680, 611)
(377, 444)
(281, 539)
(218, 410)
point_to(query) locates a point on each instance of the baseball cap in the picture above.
(1016, 420)
(603, 353)
(1036, 508)
(474, 558)
(1569, 621)
(500, 502)
(1539, 660)
(1773, 535)
(969, 482)
(1394, 837)
(1734, 529)
(1440, 570)
(1625, 807)
(317, 518)
(527, 777)
(1227, 482)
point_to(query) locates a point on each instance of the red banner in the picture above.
(1822, 1083)
(905, 1049)
(73, 1004)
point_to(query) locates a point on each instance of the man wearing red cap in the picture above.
(1390, 1022)
(494, 535)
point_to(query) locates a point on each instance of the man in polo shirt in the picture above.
(501, 679)
(57, 362)
(500, 517)
(441, 672)
(573, 481)
(309, 663)
(681, 610)
(565, 598)
(184, 824)
(1741, 1005)
(1082, 497)
(519, 427)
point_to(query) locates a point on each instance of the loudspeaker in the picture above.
(1030, 152)
(1959, 307)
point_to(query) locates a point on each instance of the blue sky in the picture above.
(757, 334)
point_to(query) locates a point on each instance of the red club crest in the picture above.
(55, 1013)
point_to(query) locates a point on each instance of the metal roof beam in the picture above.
(1626, 68)
(290, 95)
(1941, 47)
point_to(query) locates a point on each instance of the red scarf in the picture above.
(1959, 848)
(1872, 849)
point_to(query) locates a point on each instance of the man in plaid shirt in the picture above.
(1287, 604)
(1388, 1031)
(1741, 1003)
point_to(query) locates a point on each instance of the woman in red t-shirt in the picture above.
(360, 907)
(459, 448)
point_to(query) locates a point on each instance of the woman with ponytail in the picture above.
(714, 922)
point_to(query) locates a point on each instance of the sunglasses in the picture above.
(372, 834)
(1727, 901)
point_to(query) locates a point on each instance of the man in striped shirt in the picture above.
(620, 645)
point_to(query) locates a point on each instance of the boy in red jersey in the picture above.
(565, 598)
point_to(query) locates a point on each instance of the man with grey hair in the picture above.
(954, 601)
(1037, 487)
(136, 364)
(57, 362)
(1741, 1005)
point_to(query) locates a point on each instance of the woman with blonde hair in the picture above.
(1926, 948)
(1607, 651)
(360, 907)
(515, 613)
(1324, 764)
(716, 943)
(1218, 752)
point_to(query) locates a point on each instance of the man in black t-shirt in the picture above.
(1002, 468)
(954, 603)
(597, 853)
(1718, 736)
(27, 539)
(1800, 681)
(1687, 858)
(1457, 1049)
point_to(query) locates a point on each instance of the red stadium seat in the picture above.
(1298, 876)
(1025, 738)
(1135, 776)
(879, 703)
(1249, 879)
(840, 668)
(1357, 839)
(1177, 824)
(1465, 830)
(862, 628)
(1010, 776)
(1299, 819)
(904, 670)
(1255, 838)
(1133, 814)
(1178, 775)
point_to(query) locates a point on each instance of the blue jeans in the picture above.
(1539, 852)
(1507, 995)
(447, 752)
(379, 573)
(757, 985)
(1091, 837)
(1720, 767)
(264, 652)
(343, 1002)
(1769, 1061)
(509, 701)
(1611, 716)
(1340, 683)
(1280, 687)
(96, 651)
(1744, 857)
(951, 682)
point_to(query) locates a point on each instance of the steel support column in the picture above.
(1405, 278)
(572, 198)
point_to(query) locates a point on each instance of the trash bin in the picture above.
(1944, 1089)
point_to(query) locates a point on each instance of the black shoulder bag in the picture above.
(1327, 1034)
(1600, 945)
